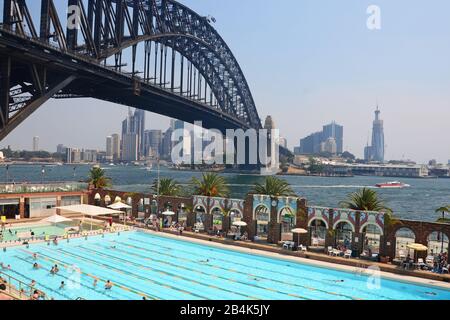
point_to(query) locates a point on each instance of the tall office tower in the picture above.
(166, 148)
(130, 147)
(115, 146)
(311, 144)
(375, 152)
(333, 130)
(378, 137)
(61, 149)
(269, 124)
(69, 155)
(139, 129)
(35, 143)
(172, 124)
(134, 124)
(109, 148)
(152, 143)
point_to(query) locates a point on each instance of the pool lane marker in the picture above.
(193, 270)
(239, 272)
(47, 258)
(63, 277)
(126, 273)
(165, 273)
(313, 289)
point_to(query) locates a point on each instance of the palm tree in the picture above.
(444, 210)
(210, 185)
(167, 187)
(365, 200)
(98, 179)
(273, 186)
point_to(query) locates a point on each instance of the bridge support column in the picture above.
(5, 74)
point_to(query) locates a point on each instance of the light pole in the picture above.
(7, 173)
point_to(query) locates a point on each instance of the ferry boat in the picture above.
(392, 185)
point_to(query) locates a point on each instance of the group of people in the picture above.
(440, 262)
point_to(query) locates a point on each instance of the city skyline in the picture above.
(404, 66)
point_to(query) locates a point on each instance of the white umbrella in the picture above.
(119, 205)
(239, 224)
(299, 231)
(168, 213)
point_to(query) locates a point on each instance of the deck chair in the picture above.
(330, 250)
(348, 254)
(402, 254)
(421, 264)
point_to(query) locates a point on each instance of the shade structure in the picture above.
(239, 224)
(168, 213)
(417, 247)
(88, 210)
(56, 219)
(118, 199)
(299, 231)
(119, 206)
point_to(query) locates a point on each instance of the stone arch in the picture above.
(345, 221)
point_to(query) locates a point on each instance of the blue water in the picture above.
(142, 265)
(418, 202)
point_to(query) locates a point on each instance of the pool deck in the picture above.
(356, 266)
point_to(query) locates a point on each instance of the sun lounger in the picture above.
(336, 252)
(421, 264)
(348, 254)
(445, 269)
(402, 255)
(330, 251)
(302, 248)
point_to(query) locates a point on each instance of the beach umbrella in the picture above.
(168, 213)
(299, 231)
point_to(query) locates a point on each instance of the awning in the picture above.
(89, 210)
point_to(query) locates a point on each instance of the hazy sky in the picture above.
(309, 62)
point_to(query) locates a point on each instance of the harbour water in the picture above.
(417, 202)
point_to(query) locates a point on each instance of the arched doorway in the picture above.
(288, 221)
(318, 231)
(403, 237)
(372, 237)
(217, 217)
(200, 217)
(182, 215)
(262, 217)
(437, 243)
(344, 234)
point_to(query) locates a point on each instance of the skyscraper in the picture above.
(35, 144)
(375, 152)
(109, 148)
(152, 142)
(116, 146)
(333, 130)
(134, 124)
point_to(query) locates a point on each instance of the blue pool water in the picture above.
(146, 265)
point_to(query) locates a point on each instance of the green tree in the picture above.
(210, 185)
(98, 178)
(273, 186)
(365, 200)
(443, 210)
(315, 166)
(167, 187)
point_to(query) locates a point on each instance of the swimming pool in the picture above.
(40, 230)
(157, 267)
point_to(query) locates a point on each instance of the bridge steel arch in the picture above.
(155, 55)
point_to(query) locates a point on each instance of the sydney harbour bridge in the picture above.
(155, 55)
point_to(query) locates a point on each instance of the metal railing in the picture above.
(17, 288)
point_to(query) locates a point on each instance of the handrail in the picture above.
(17, 288)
